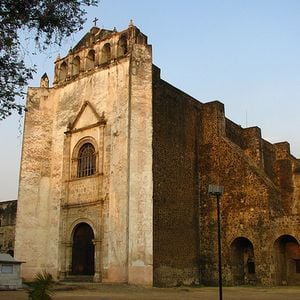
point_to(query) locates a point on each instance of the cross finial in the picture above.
(95, 21)
(131, 23)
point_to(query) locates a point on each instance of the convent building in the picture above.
(115, 169)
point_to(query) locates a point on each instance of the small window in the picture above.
(297, 261)
(6, 269)
(251, 267)
(86, 161)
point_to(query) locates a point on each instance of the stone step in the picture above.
(78, 278)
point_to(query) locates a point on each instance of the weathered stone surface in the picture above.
(99, 105)
(145, 203)
(10, 275)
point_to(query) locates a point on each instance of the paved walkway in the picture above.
(114, 292)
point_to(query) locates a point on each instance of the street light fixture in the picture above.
(218, 190)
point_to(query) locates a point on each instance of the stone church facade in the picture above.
(115, 169)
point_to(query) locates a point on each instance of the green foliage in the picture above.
(42, 287)
(48, 21)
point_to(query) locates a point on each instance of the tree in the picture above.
(48, 21)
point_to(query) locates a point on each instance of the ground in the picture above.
(111, 292)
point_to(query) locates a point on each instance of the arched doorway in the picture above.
(242, 261)
(287, 260)
(83, 250)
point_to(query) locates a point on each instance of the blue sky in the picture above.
(244, 53)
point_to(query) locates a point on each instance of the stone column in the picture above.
(68, 264)
(140, 183)
(66, 260)
(98, 262)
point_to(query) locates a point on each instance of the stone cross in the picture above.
(95, 21)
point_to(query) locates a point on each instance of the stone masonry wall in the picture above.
(253, 206)
(116, 201)
(147, 203)
(42, 185)
(175, 185)
(38, 211)
(140, 182)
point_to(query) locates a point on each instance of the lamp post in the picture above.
(217, 190)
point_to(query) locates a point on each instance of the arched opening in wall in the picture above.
(86, 161)
(63, 71)
(76, 65)
(83, 250)
(122, 46)
(90, 60)
(106, 53)
(242, 261)
(287, 260)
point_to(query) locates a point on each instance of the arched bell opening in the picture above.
(63, 71)
(90, 60)
(76, 65)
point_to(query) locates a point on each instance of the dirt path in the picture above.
(114, 292)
